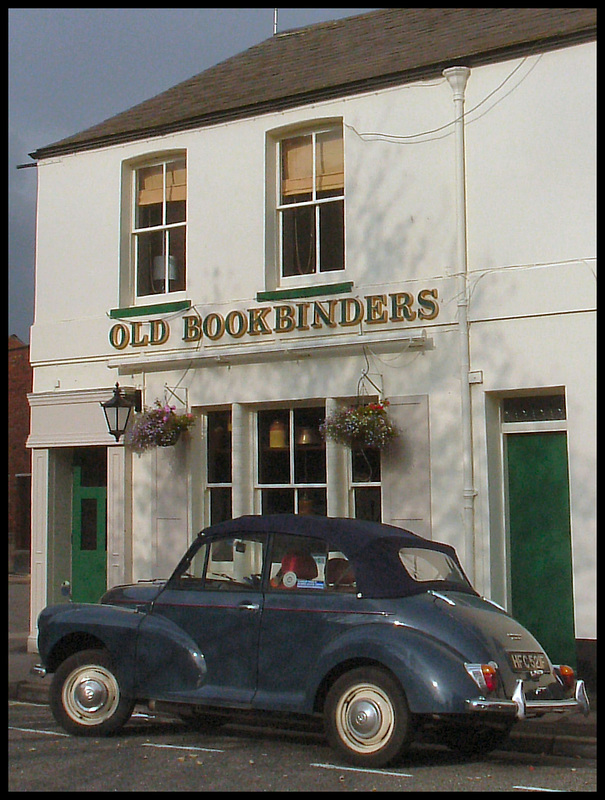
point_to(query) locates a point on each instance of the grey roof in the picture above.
(339, 58)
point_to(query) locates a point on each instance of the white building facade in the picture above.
(272, 267)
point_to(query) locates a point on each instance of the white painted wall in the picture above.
(531, 148)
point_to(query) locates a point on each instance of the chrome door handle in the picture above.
(249, 606)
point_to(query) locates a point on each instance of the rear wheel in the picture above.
(367, 717)
(85, 695)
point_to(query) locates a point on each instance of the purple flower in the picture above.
(157, 426)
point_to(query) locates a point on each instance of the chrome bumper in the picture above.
(521, 708)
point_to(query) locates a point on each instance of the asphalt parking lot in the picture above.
(156, 752)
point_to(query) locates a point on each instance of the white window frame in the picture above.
(316, 203)
(361, 485)
(298, 488)
(214, 485)
(163, 160)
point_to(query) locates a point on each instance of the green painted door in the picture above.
(89, 540)
(540, 540)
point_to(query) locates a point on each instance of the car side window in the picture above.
(340, 573)
(308, 564)
(191, 573)
(234, 563)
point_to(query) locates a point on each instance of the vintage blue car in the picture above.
(371, 626)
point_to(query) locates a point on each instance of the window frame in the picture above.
(298, 488)
(224, 448)
(315, 203)
(136, 231)
(358, 485)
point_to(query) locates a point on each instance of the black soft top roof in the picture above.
(371, 546)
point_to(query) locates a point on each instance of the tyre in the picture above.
(367, 717)
(85, 695)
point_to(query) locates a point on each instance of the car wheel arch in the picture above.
(342, 668)
(72, 643)
(430, 673)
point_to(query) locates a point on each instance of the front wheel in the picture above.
(85, 695)
(367, 717)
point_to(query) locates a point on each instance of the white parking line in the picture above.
(363, 769)
(536, 789)
(182, 747)
(27, 703)
(36, 730)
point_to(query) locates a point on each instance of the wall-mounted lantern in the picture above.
(118, 409)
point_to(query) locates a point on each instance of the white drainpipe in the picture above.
(457, 78)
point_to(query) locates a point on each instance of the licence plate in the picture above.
(523, 662)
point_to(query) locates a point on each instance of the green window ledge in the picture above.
(306, 291)
(144, 311)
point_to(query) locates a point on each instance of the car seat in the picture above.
(339, 572)
(294, 567)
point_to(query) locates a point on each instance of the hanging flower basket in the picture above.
(159, 426)
(363, 425)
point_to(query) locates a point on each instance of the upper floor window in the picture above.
(159, 227)
(311, 203)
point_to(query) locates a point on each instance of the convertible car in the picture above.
(369, 625)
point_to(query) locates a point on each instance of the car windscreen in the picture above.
(432, 566)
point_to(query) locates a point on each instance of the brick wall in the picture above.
(19, 461)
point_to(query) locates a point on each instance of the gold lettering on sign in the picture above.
(213, 326)
(258, 322)
(351, 311)
(192, 329)
(401, 307)
(284, 319)
(373, 309)
(236, 324)
(427, 298)
(322, 316)
(303, 317)
(377, 312)
(138, 340)
(119, 336)
(159, 331)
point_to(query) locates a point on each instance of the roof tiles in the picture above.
(339, 58)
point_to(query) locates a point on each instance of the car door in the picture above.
(216, 598)
(310, 600)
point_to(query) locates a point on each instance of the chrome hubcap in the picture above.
(91, 694)
(365, 718)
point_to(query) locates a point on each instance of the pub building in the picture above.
(394, 207)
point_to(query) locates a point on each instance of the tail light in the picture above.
(565, 675)
(484, 675)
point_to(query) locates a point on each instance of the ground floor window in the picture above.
(291, 461)
(366, 484)
(290, 467)
(219, 461)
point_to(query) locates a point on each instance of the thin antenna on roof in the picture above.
(274, 21)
